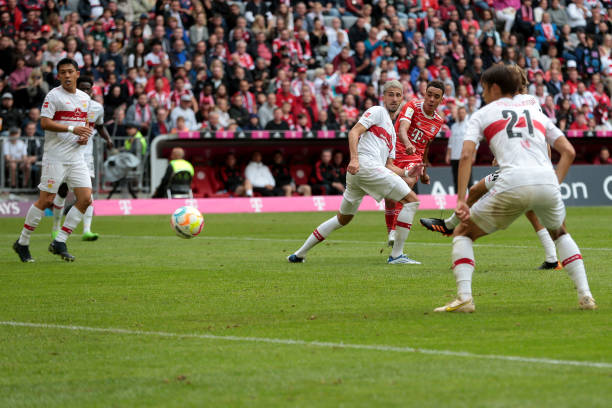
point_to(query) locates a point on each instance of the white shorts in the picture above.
(54, 174)
(490, 179)
(90, 165)
(377, 182)
(496, 211)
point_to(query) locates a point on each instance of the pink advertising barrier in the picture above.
(255, 205)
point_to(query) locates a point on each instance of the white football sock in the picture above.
(58, 211)
(571, 259)
(73, 218)
(402, 227)
(548, 244)
(249, 192)
(463, 266)
(87, 218)
(452, 221)
(32, 220)
(318, 235)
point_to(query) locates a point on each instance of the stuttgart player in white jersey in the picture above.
(517, 132)
(64, 119)
(370, 171)
(95, 119)
(446, 226)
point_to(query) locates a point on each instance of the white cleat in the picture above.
(402, 259)
(457, 305)
(587, 303)
(391, 238)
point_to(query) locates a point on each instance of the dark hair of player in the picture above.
(83, 79)
(507, 79)
(436, 84)
(524, 81)
(66, 61)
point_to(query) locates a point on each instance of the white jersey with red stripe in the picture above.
(378, 143)
(517, 132)
(67, 109)
(95, 117)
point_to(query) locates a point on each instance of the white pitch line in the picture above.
(321, 344)
(339, 241)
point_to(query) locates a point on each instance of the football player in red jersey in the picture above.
(416, 125)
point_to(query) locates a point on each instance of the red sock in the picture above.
(398, 208)
(390, 215)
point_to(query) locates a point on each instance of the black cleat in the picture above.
(59, 248)
(293, 258)
(436, 225)
(551, 265)
(23, 251)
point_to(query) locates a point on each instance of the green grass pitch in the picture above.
(234, 285)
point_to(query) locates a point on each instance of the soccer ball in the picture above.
(187, 222)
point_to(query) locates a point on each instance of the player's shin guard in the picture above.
(318, 235)
(87, 217)
(402, 227)
(58, 211)
(390, 215)
(463, 266)
(32, 220)
(73, 218)
(548, 244)
(571, 259)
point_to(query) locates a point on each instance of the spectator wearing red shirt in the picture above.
(580, 123)
(284, 94)
(445, 10)
(306, 104)
(158, 72)
(345, 56)
(437, 66)
(603, 157)
(297, 85)
(241, 57)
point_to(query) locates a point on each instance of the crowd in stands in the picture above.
(172, 65)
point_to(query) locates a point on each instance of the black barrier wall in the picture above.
(585, 185)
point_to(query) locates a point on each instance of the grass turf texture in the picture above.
(234, 280)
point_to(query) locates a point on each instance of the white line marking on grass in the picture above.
(333, 241)
(321, 344)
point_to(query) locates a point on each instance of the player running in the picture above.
(446, 226)
(95, 121)
(371, 171)
(418, 123)
(517, 132)
(64, 119)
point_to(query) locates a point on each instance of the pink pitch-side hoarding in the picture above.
(254, 205)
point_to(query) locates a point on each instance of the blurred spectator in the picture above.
(325, 179)
(136, 143)
(266, 110)
(233, 179)
(339, 167)
(324, 123)
(283, 179)
(177, 163)
(16, 157)
(184, 110)
(161, 126)
(277, 123)
(140, 113)
(260, 177)
(238, 112)
(253, 123)
(603, 157)
(11, 117)
(455, 144)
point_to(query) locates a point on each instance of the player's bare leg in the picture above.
(571, 259)
(58, 208)
(32, 219)
(447, 226)
(551, 261)
(403, 225)
(73, 218)
(87, 218)
(463, 267)
(320, 233)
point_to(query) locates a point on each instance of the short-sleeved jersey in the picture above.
(68, 109)
(378, 143)
(95, 117)
(517, 132)
(423, 128)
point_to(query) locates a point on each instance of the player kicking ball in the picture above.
(447, 226)
(417, 124)
(517, 132)
(64, 119)
(96, 121)
(371, 171)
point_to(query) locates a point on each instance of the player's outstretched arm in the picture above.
(104, 133)
(403, 135)
(353, 139)
(568, 154)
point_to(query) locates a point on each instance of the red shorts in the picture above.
(406, 164)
